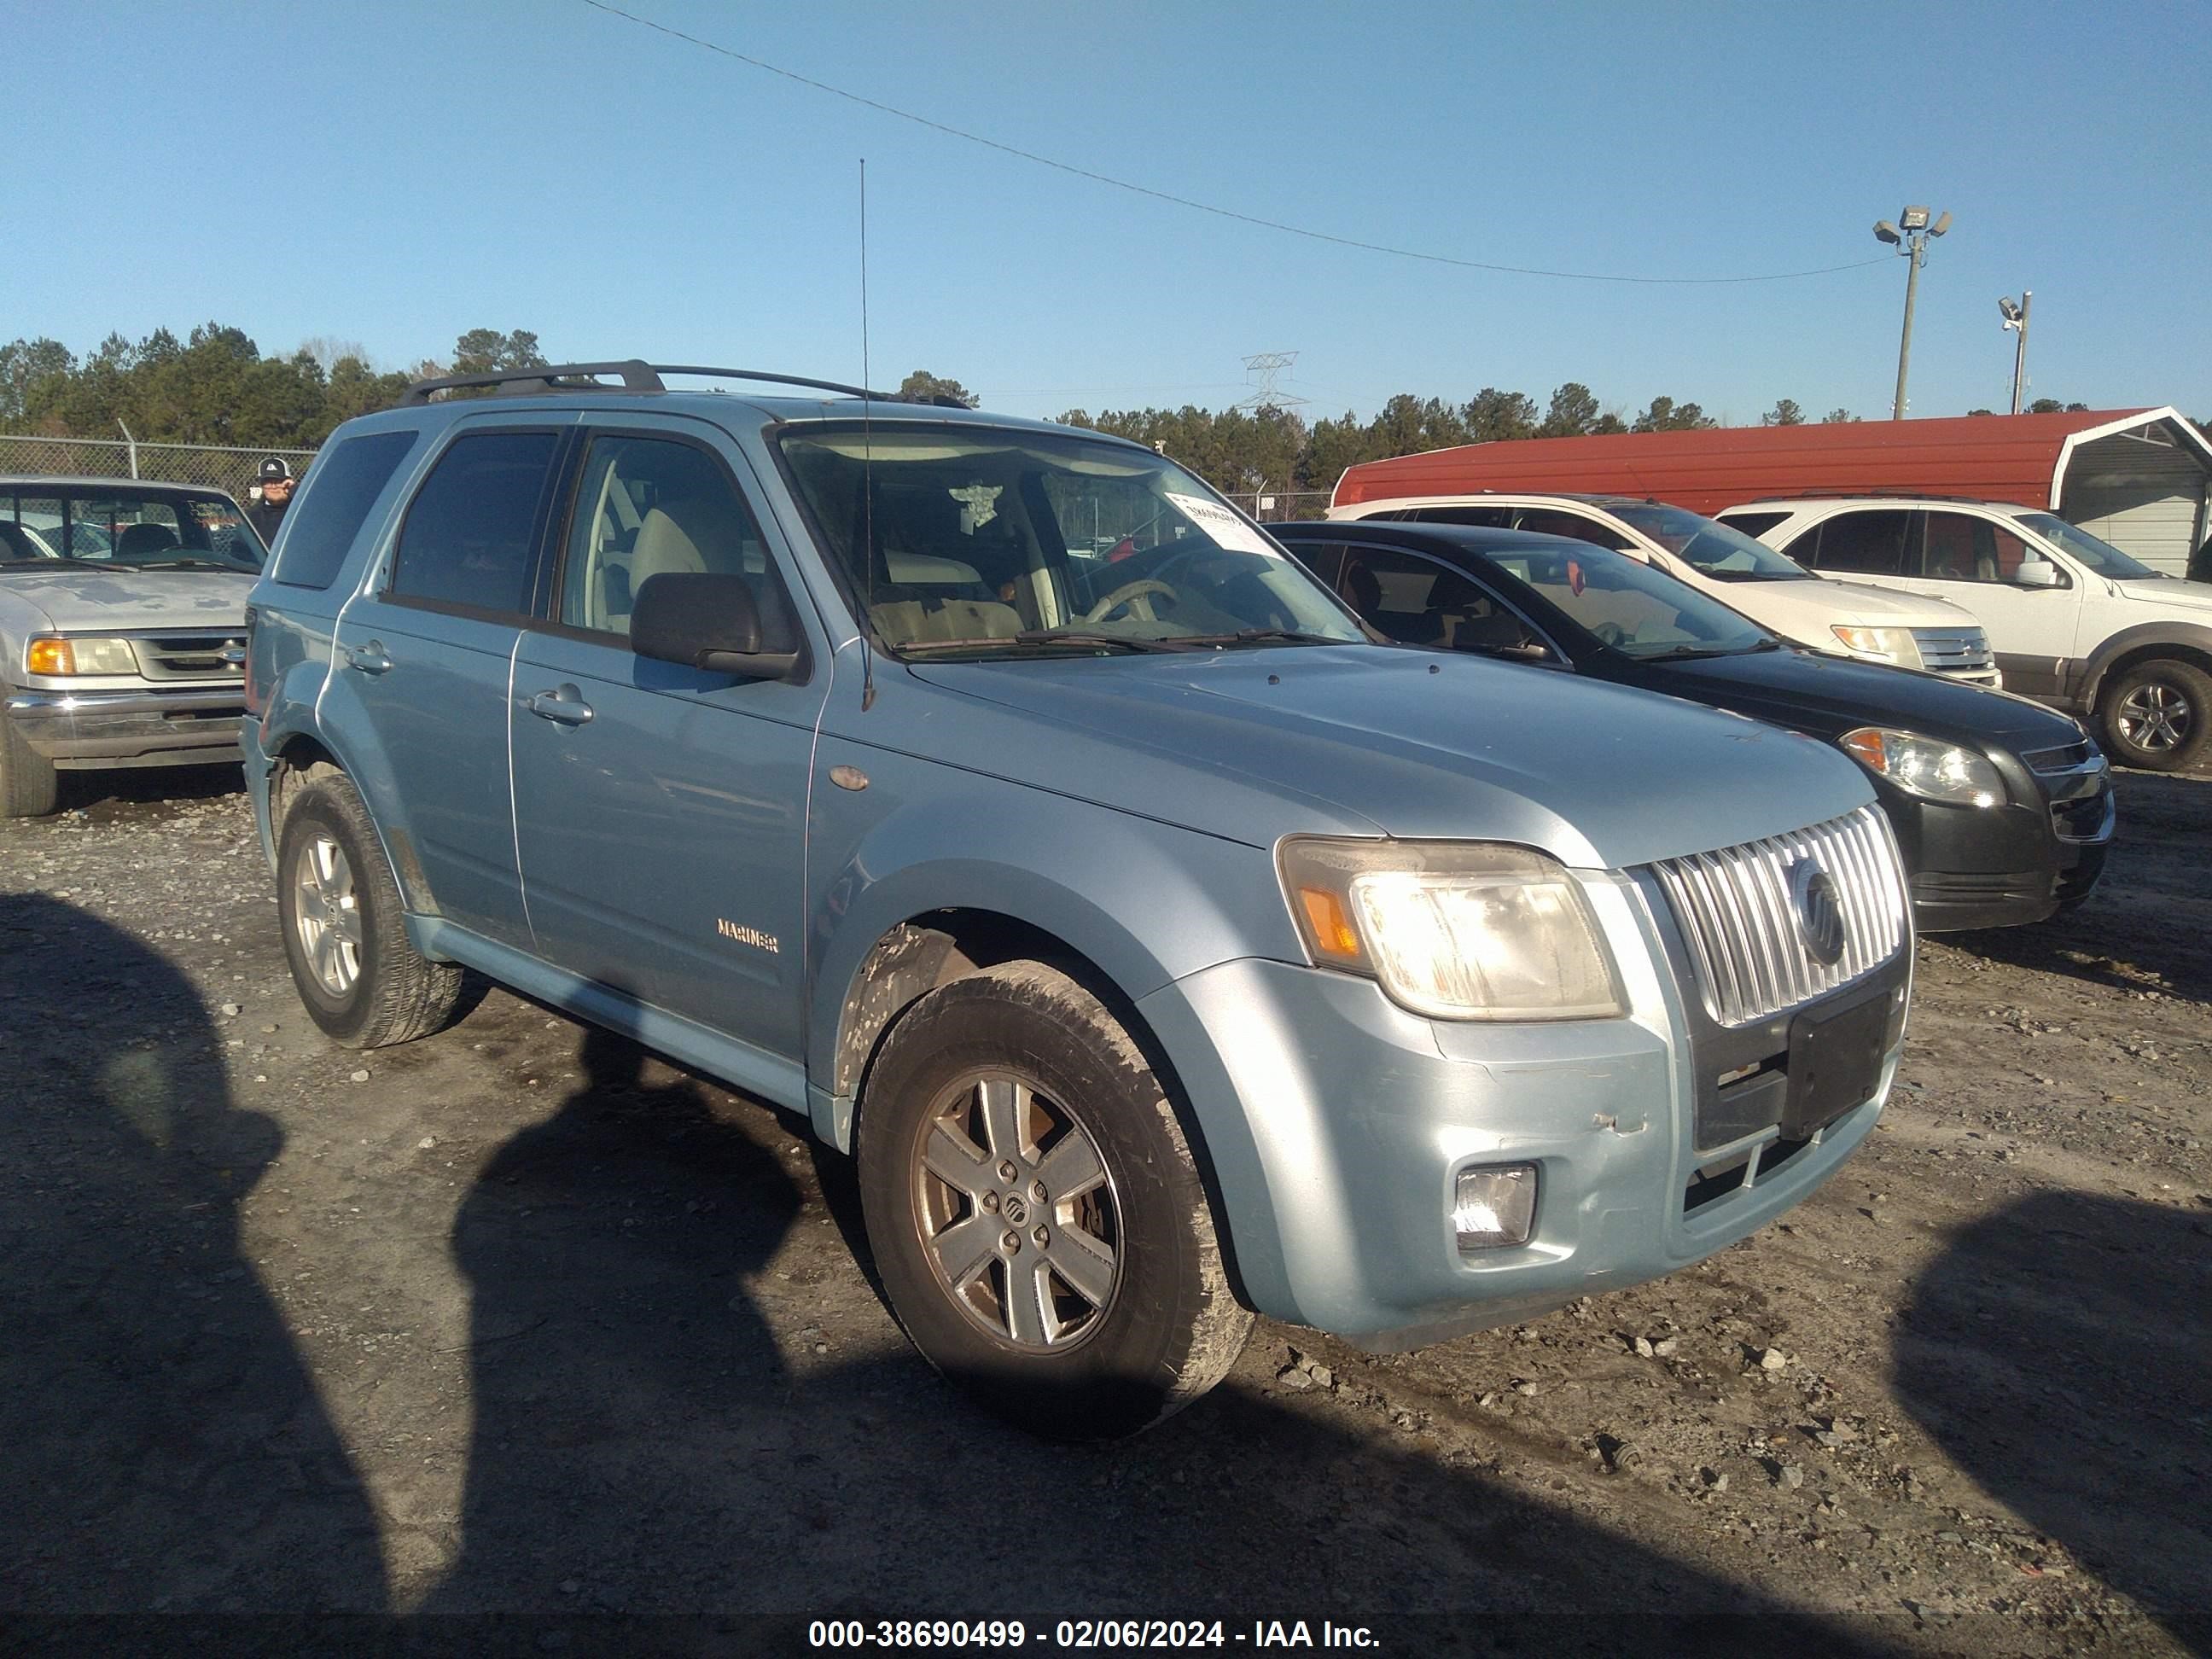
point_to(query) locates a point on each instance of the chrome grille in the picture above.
(1741, 925)
(191, 656)
(1954, 650)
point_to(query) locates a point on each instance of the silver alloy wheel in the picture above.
(326, 914)
(2156, 717)
(1018, 1218)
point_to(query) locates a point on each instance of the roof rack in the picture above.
(636, 376)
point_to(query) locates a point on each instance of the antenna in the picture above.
(867, 470)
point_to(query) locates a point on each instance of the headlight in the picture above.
(58, 656)
(1453, 930)
(1892, 645)
(1927, 766)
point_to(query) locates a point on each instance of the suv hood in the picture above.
(1252, 746)
(2168, 594)
(85, 599)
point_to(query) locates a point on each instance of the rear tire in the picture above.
(1037, 1216)
(345, 932)
(2157, 714)
(29, 786)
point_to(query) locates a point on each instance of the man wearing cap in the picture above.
(271, 497)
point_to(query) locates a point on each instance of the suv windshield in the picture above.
(1627, 605)
(146, 526)
(970, 540)
(1719, 550)
(2101, 556)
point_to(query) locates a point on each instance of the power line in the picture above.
(1203, 207)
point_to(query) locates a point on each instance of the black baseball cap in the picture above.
(273, 468)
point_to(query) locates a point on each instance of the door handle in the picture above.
(370, 659)
(563, 705)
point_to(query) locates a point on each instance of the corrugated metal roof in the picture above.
(2004, 458)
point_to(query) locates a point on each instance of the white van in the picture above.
(1845, 619)
(2075, 621)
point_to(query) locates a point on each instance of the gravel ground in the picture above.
(519, 1319)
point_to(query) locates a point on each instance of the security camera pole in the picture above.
(2015, 317)
(1909, 235)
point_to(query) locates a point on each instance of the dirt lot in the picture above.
(519, 1319)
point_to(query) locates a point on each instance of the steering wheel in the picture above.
(1128, 593)
(1609, 633)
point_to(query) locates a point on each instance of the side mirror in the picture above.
(2037, 572)
(709, 621)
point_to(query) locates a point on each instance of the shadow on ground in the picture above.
(161, 1444)
(103, 794)
(2060, 1352)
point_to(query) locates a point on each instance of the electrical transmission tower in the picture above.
(1262, 369)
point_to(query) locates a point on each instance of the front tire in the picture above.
(1036, 1212)
(2157, 715)
(29, 786)
(345, 932)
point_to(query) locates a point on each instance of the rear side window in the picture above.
(1324, 559)
(1484, 518)
(1752, 523)
(1870, 542)
(346, 480)
(471, 528)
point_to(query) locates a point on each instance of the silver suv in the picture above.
(1165, 948)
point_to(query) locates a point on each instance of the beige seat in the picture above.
(685, 537)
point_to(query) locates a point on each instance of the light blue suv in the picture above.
(992, 794)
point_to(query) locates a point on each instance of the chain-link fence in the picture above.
(1281, 506)
(231, 470)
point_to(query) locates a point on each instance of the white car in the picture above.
(2075, 621)
(1845, 619)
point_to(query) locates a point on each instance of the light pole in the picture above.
(2015, 317)
(1909, 235)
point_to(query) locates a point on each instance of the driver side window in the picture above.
(1416, 601)
(646, 505)
(1959, 547)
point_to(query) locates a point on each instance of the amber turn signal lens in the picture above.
(1332, 928)
(1867, 747)
(50, 657)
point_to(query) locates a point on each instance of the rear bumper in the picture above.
(183, 726)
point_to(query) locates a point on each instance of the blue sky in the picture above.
(393, 173)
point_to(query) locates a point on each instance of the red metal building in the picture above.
(2136, 478)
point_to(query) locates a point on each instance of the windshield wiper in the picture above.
(1033, 637)
(1260, 637)
(1690, 653)
(181, 564)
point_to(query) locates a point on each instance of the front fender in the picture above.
(1144, 902)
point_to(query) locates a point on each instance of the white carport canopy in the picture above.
(2141, 483)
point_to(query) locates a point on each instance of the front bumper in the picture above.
(171, 726)
(1337, 1123)
(2001, 866)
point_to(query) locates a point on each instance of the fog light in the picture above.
(1494, 1207)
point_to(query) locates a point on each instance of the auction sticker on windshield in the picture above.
(1224, 527)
